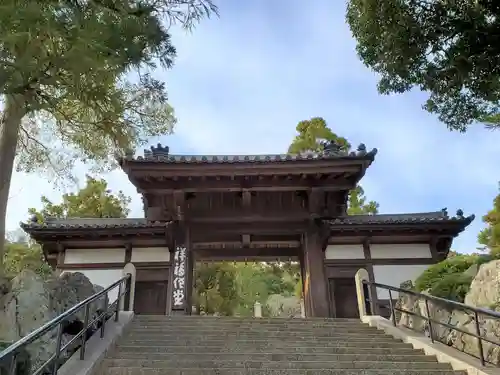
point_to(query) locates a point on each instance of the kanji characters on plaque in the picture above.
(179, 282)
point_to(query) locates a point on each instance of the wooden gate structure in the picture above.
(254, 207)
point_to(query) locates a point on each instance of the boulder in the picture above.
(32, 302)
(484, 292)
(402, 300)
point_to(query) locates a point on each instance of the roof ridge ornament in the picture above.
(157, 152)
(333, 148)
(361, 150)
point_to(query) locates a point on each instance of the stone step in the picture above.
(257, 327)
(238, 319)
(252, 324)
(248, 327)
(249, 322)
(146, 350)
(292, 341)
(187, 320)
(258, 333)
(247, 371)
(174, 363)
(281, 357)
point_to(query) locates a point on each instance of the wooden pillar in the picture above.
(315, 288)
(182, 273)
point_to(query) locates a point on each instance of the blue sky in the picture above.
(243, 81)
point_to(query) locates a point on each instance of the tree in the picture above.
(93, 200)
(25, 255)
(311, 135)
(447, 49)
(489, 237)
(215, 288)
(65, 80)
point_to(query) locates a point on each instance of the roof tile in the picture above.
(160, 154)
(409, 218)
(91, 223)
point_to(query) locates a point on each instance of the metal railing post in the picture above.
(479, 340)
(84, 335)
(13, 364)
(105, 312)
(429, 322)
(367, 299)
(128, 290)
(118, 300)
(55, 365)
(393, 311)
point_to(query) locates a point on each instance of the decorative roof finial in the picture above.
(460, 214)
(444, 211)
(361, 149)
(158, 151)
(33, 219)
(332, 148)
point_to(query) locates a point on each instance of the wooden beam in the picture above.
(195, 185)
(242, 253)
(245, 240)
(179, 197)
(316, 202)
(245, 169)
(90, 266)
(361, 263)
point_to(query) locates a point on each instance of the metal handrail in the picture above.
(426, 297)
(13, 350)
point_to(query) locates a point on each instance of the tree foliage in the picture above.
(24, 254)
(311, 136)
(94, 200)
(448, 279)
(233, 288)
(449, 49)
(436, 272)
(490, 236)
(65, 79)
(215, 288)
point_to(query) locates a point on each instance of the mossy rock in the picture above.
(23, 361)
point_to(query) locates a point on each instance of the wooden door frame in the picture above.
(337, 271)
(157, 273)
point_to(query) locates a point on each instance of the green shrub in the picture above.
(23, 362)
(436, 272)
(453, 286)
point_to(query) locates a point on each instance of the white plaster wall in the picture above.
(344, 252)
(394, 251)
(77, 256)
(104, 278)
(150, 254)
(394, 275)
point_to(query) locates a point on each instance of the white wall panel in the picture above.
(77, 256)
(395, 251)
(394, 275)
(344, 252)
(150, 254)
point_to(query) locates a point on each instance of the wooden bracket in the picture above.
(245, 239)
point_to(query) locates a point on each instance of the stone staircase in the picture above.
(157, 345)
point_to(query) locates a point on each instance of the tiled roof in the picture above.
(91, 223)
(160, 154)
(410, 218)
